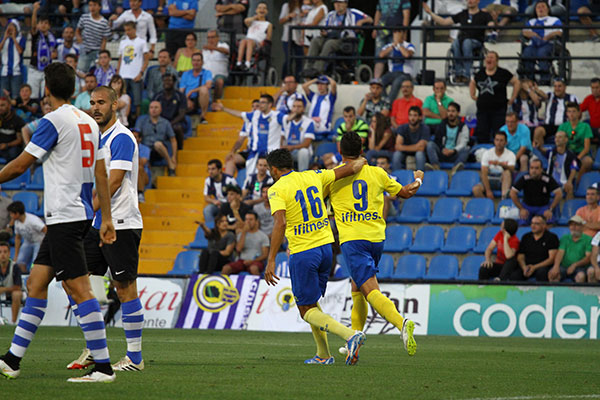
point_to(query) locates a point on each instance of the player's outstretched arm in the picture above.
(350, 168)
(410, 189)
(276, 241)
(16, 167)
(107, 229)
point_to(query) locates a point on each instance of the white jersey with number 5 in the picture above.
(68, 140)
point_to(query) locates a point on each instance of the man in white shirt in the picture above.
(299, 132)
(144, 22)
(216, 60)
(133, 61)
(67, 44)
(29, 233)
(497, 166)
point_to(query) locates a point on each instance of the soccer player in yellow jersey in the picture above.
(298, 210)
(357, 202)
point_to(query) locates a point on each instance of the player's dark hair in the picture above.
(267, 97)
(348, 109)
(16, 207)
(351, 145)
(511, 226)
(281, 159)
(455, 105)
(60, 80)
(217, 163)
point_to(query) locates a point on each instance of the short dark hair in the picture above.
(44, 17)
(386, 158)
(501, 133)
(233, 188)
(130, 23)
(536, 160)
(416, 109)
(572, 104)
(540, 216)
(60, 80)
(99, 2)
(267, 97)
(112, 94)
(196, 54)
(193, 34)
(5, 243)
(349, 108)
(440, 81)
(455, 105)
(27, 85)
(281, 159)
(4, 236)
(106, 51)
(16, 207)
(511, 226)
(216, 162)
(261, 157)
(252, 213)
(73, 56)
(594, 80)
(351, 144)
(91, 75)
(165, 51)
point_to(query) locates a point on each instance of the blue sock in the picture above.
(31, 317)
(133, 322)
(92, 324)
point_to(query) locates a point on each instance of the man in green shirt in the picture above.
(580, 137)
(435, 107)
(573, 256)
(351, 123)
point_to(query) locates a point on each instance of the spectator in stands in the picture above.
(593, 271)
(562, 164)
(231, 14)
(469, 40)
(237, 159)
(519, 139)
(133, 61)
(316, 17)
(263, 210)
(544, 30)
(157, 134)
(351, 123)
(83, 100)
(234, 208)
(591, 104)
(154, 75)
(10, 281)
(321, 105)
(556, 8)
(507, 244)
(11, 141)
(144, 172)
(43, 51)
(590, 213)
(252, 246)
(251, 189)
(123, 101)
(144, 23)
(573, 256)
(331, 41)
(492, 102)
(221, 245)
(451, 141)
(389, 13)
(399, 51)
(182, 14)
(411, 140)
(260, 31)
(501, 14)
(196, 85)
(183, 58)
(26, 107)
(401, 105)
(71, 61)
(497, 166)
(537, 188)
(382, 141)
(216, 60)
(29, 232)
(584, 11)
(374, 102)
(556, 112)
(527, 104)
(580, 138)
(174, 107)
(67, 45)
(11, 51)
(299, 133)
(92, 33)
(435, 106)
(103, 70)
(390, 203)
(214, 189)
(28, 129)
(287, 94)
(291, 14)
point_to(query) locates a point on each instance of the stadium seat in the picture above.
(40, 211)
(282, 266)
(398, 238)
(324, 148)
(414, 210)
(569, 209)
(18, 183)
(442, 268)
(485, 237)
(506, 202)
(200, 241)
(29, 199)
(241, 177)
(411, 266)
(435, 183)
(446, 211)
(428, 239)
(386, 267)
(461, 239)
(469, 271)
(186, 263)
(462, 183)
(37, 180)
(560, 231)
(586, 181)
(522, 231)
(477, 211)
(404, 176)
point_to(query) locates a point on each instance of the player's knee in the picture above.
(16, 295)
(254, 270)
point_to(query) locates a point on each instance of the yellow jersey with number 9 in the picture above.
(300, 194)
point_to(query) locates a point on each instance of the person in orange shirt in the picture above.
(401, 105)
(590, 212)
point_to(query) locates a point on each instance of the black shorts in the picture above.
(550, 133)
(62, 249)
(121, 257)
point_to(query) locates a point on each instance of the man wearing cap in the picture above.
(174, 106)
(590, 213)
(374, 102)
(573, 256)
(235, 209)
(400, 67)
(321, 105)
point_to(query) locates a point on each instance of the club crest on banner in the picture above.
(285, 299)
(214, 293)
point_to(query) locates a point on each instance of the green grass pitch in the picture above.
(199, 364)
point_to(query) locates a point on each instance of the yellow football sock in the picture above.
(321, 341)
(359, 311)
(386, 308)
(326, 323)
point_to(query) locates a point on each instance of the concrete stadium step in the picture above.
(180, 183)
(174, 196)
(212, 129)
(159, 266)
(238, 104)
(174, 238)
(221, 117)
(148, 251)
(170, 223)
(244, 92)
(189, 210)
(211, 143)
(199, 156)
(194, 170)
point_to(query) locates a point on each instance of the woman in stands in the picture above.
(507, 242)
(124, 102)
(315, 17)
(291, 14)
(183, 57)
(381, 139)
(221, 243)
(259, 31)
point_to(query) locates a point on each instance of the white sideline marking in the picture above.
(540, 397)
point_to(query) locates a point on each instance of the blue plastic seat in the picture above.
(324, 148)
(442, 268)
(282, 266)
(569, 209)
(586, 181)
(461, 239)
(37, 180)
(29, 199)
(200, 241)
(404, 176)
(414, 210)
(469, 271)
(435, 183)
(186, 263)
(397, 238)
(411, 266)
(506, 202)
(446, 211)
(18, 183)
(477, 211)
(428, 239)
(560, 231)
(522, 231)
(462, 183)
(485, 237)
(386, 267)
(241, 177)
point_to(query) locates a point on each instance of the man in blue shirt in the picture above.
(182, 14)
(157, 134)
(519, 140)
(196, 84)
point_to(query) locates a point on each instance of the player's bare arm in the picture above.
(16, 167)
(107, 229)
(350, 168)
(276, 241)
(410, 190)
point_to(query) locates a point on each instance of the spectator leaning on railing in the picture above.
(400, 68)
